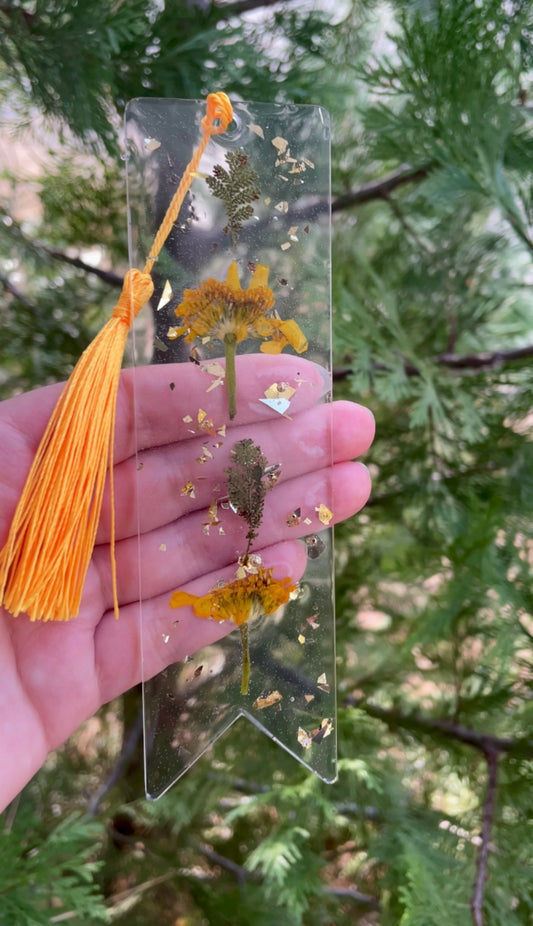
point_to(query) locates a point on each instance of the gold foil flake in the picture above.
(279, 391)
(188, 490)
(325, 728)
(316, 736)
(205, 423)
(248, 565)
(256, 129)
(166, 296)
(267, 700)
(294, 519)
(323, 683)
(163, 547)
(272, 474)
(173, 333)
(151, 144)
(282, 206)
(301, 639)
(280, 144)
(308, 698)
(217, 371)
(212, 513)
(267, 200)
(324, 514)
(304, 738)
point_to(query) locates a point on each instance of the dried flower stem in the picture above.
(245, 646)
(230, 345)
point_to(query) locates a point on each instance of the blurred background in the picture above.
(432, 106)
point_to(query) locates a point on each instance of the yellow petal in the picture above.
(272, 347)
(180, 598)
(294, 335)
(232, 277)
(260, 277)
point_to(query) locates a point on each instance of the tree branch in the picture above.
(350, 893)
(107, 276)
(486, 360)
(489, 804)
(245, 6)
(382, 188)
(484, 742)
(11, 288)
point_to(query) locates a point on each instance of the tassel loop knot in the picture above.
(136, 291)
(219, 113)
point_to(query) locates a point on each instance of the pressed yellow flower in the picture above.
(226, 312)
(240, 601)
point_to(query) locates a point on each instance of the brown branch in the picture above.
(489, 804)
(350, 893)
(11, 288)
(245, 6)
(484, 742)
(42, 249)
(240, 873)
(382, 188)
(486, 360)
(107, 276)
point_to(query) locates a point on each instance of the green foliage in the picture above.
(56, 872)
(432, 328)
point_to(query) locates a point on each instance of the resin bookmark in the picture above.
(242, 296)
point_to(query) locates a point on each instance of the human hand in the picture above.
(55, 675)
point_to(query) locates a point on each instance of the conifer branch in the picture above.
(489, 804)
(43, 250)
(381, 188)
(246, 6)
(16, 293)
(107, 276)
(485, 360)
(484, 742)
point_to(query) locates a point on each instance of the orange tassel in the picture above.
(50, 543)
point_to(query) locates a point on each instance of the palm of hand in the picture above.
(54, 675)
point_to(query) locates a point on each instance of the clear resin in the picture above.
(242, 296)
